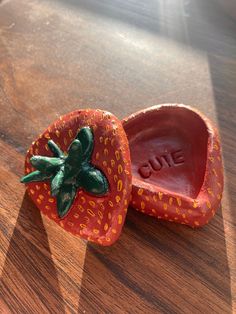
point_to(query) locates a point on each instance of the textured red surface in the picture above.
(98, 219)
(176, 164)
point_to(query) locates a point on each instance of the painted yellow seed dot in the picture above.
(184, 216)
(195, 204)
(57, 133)
(41, 196)
(105, 226)
(104, 163)
(196, 223)
(160, 194)
(32, 191)
(119, 185)
(165, 206)
(105, 151)
(70, 133)
(109, 215)
(177, 210)
(92, 203)
(114, 231)
(106, 140)
(170, 200)
(101, 139)
(140, 191)
(147, 198)
(37, 187)
(97, 156)
(142, 205)
(126, 202)
(115, 177)
(96, 231)
(154, 198)
(112, 142)
(208, 204)
(51, 200)
(61, 223)
(99, 221)
(70, 223)
(124, 192)
(39, 201)
(81, 208)
(125, 209)
(117, 154)
(215, 173)
(218, 196)
(90, 212)
(210, 192)
(76, 215)
(100, 214)
(86, 219)
(102, 206)
(49, 193)
(113, 163)
(120, 169)
(179, 202)
(153, 210)
(46, 147)
(45, 186)
(109, 170)
(119, 219)
(211, 159)
(108, 239)
(47, 207)
(83, 199)
(83, 226)
(110, 204)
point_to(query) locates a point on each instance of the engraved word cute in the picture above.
(156, 163)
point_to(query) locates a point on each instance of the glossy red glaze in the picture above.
(176, 164)
(97, 219)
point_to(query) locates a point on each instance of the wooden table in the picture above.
(57, 56)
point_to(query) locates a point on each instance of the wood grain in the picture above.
(57, 56)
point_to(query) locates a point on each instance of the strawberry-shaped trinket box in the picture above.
(78, 173)
(176, 164)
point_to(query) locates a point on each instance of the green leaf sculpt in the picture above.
(69, 173)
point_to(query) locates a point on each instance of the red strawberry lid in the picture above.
(78, 173)
(176, 164)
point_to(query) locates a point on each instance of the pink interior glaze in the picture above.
(169, 149)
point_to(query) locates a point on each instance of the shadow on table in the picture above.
(29, 277)
(158, 266)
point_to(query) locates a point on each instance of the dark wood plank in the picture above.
(56, 56)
